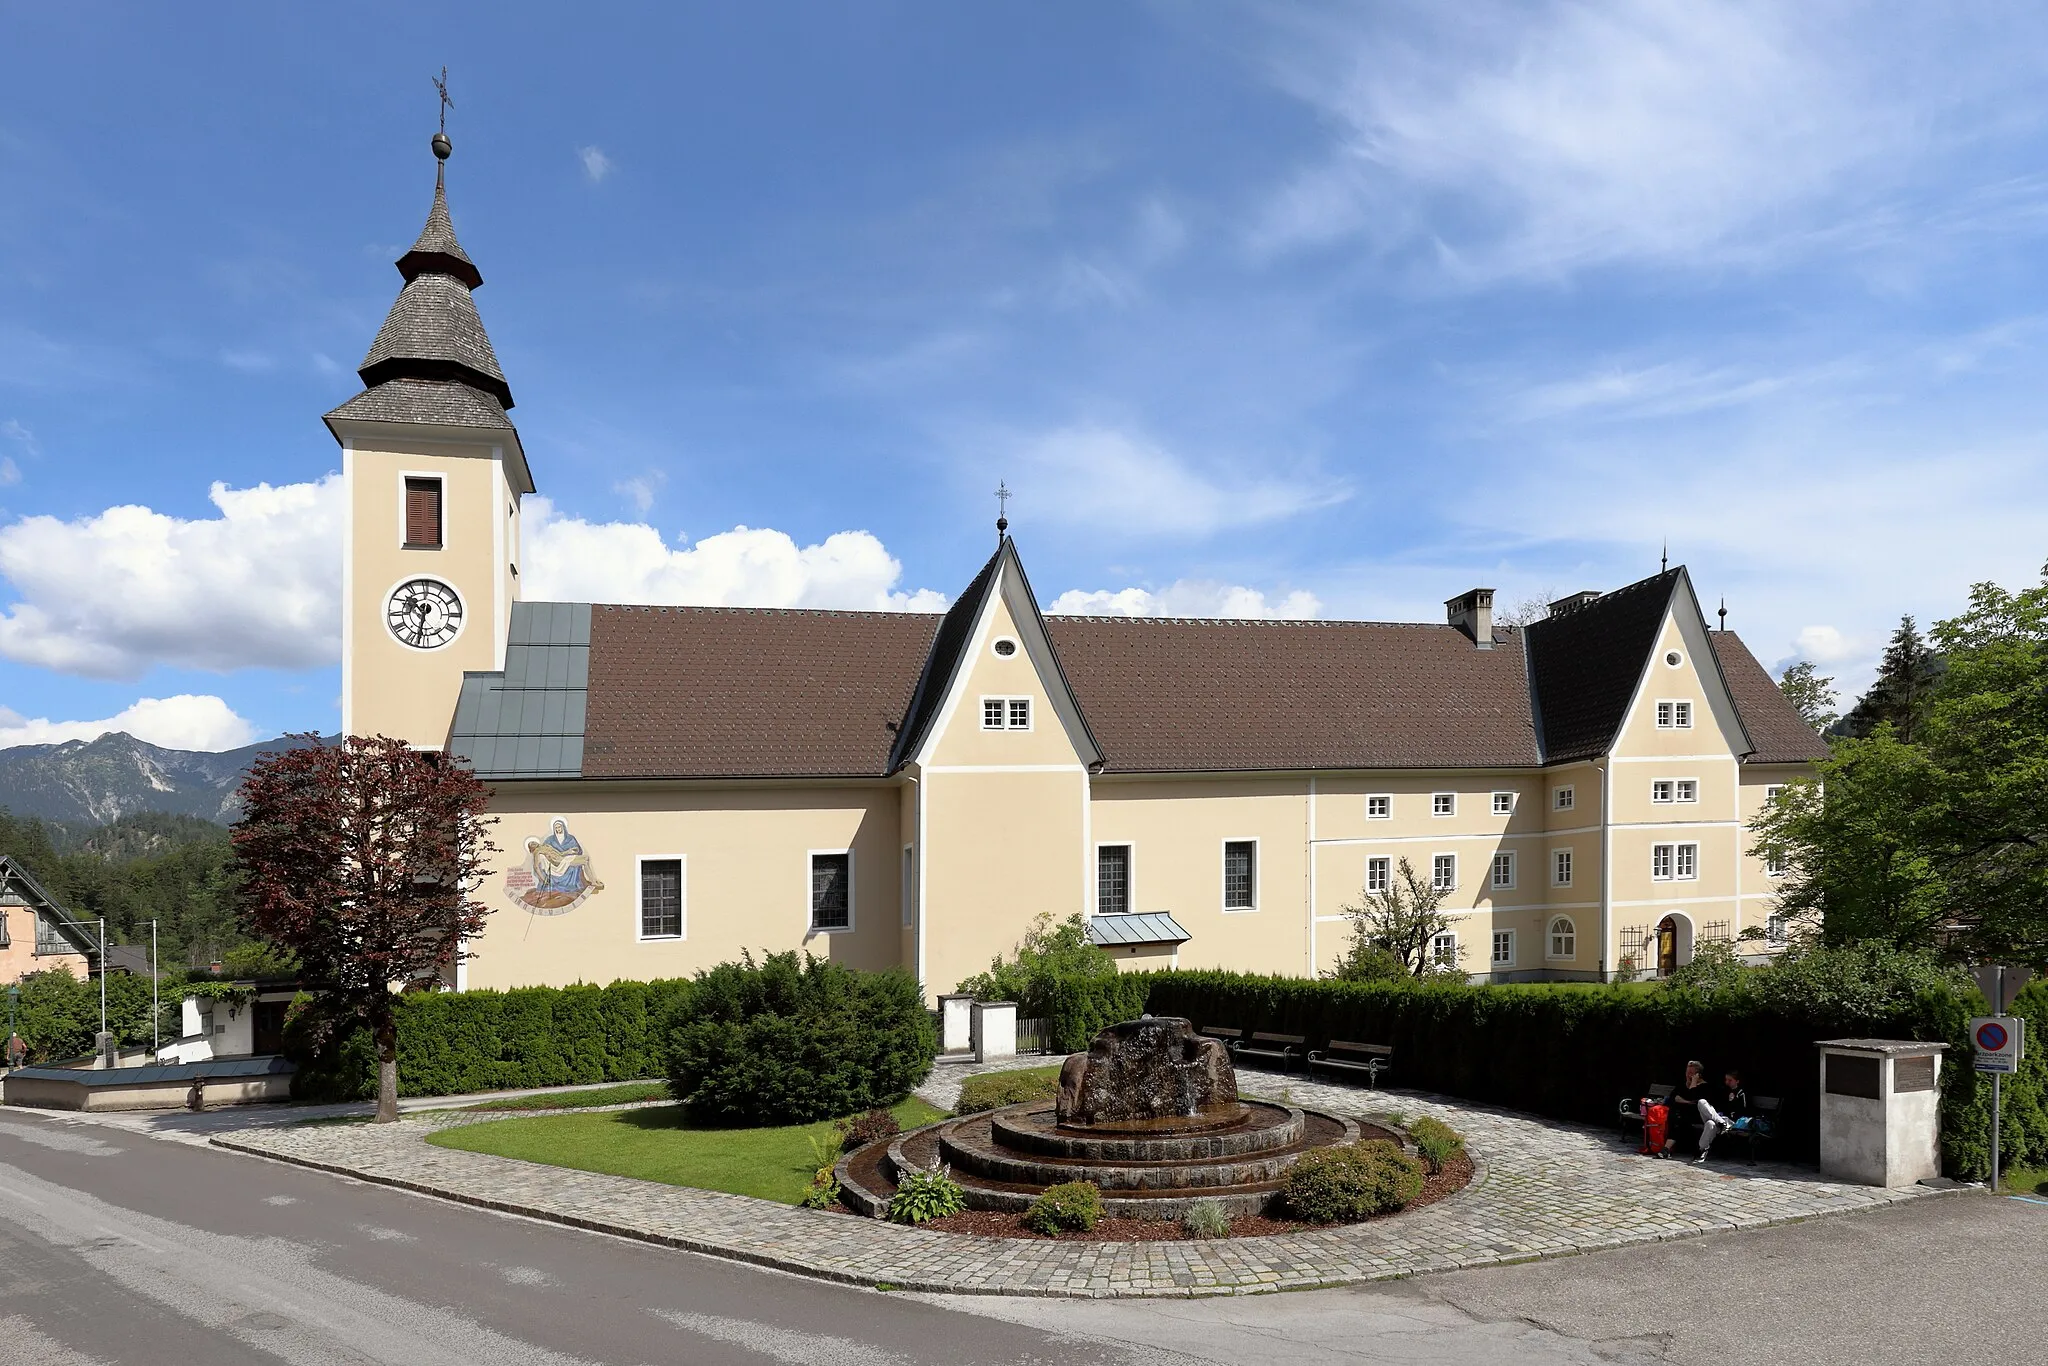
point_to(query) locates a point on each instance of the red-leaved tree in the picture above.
(362, 857)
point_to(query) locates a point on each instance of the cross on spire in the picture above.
(1003, 497)
(441, 85)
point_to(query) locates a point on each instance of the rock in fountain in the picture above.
(1148, 1073)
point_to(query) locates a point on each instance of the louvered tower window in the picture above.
(422, 514)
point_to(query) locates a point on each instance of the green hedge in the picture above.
(455, 1042)
(1079, 1008)
(1573, 1052)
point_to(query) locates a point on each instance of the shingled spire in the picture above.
(432, 363)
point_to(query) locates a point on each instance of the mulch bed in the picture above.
(989, 1224)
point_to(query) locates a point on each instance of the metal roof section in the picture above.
(1136, 927)
(528, 721)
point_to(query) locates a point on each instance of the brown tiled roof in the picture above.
(1200, 695)
(1780, 734)
(688, 692)
(1584, 665)
(439, 403)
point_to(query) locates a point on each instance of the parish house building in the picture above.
(677, 784)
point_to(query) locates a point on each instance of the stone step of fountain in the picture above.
(1033, 1128)
(970, 1145)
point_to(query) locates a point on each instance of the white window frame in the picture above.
(1437, 799)
(1130, 848)
(1774, 930)
(1664, 856)
(1436, 958)
(1503, 803)
(1437, 884)
(1674, 713)
(1385, 797)
(1771, 791)
(1223, 873)
(1493, 870)
(1661, 790)
(1687, 868)
(1775, 865)
(1497, 960)
(640, 862)
(1008, 703)
(810, 890)
(1685, 791)
(440, 478)
(995, 647)
(1386, 871)
(1565, 798)
(1561, 861)
(1570, 936)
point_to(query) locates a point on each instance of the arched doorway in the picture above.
(1674, 943)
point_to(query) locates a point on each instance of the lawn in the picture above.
(2024, 1181)
(625, 1094)
(658, 1143)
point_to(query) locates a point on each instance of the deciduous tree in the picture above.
(361, 858)
(1396, 926)
(1811, 694)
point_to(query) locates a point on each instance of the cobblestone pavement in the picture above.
(1544, 1189)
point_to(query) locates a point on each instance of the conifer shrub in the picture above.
(792, 1039)
(1352, 1181)
(994, 1090)
(1070, 1207)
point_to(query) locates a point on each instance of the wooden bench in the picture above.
(1764, 1109)
(1285, 1049)
(1227, 1035)
(1344, 1056)
(1631, 1116)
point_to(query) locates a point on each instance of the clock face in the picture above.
(424, 613)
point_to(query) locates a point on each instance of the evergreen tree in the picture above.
(1812, 694)
(1904, 688)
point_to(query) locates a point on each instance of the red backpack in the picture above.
(1656, 1125)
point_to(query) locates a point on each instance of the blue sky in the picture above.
(1260, 309)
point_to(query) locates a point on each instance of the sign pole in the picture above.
(1996, 1090)
(155, 1010)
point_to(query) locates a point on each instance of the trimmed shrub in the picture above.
(1571, 1052)
(994, 1090)
(1070, 1207)
(789, 1040)
(1076, 1009)
(1437, 1141)
(1352, 1181)
(1205, 1219)
(867, 1128)
(924, 1196)
(455, 1042)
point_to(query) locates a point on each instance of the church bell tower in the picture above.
(433, 474)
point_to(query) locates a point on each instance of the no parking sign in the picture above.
(1997, 1041)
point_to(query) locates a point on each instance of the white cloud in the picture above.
(596, 165)
(640, 489)
(17, 432)
(1823, 644)
(186, 721)
(110, 595)
(1512, 139)
(1188, 598)
(572, 560)
(1098, 476)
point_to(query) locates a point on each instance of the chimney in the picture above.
(1573, 602)
(1472, 613)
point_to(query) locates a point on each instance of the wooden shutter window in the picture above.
(423, 514)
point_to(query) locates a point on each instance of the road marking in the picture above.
(786, 1345)
(2027, 1199)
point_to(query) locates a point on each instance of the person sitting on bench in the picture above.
(1719, 1115)
(1685, 1105)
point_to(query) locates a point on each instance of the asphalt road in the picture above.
(119, 1248)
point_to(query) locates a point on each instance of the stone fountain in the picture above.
(1150, 1113)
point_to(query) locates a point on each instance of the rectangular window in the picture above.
(1503, 803)
(1660, 862)
(1561, 867)
(1674, 716)
(1660, 790)
(1771, 792)
(1687, 790)
(1379, 808)
(1443, 950)
(1504, 868)
(1113, 879)
(1443, 804)
(1443, 872)
(1774, 929)
(1006, 713)
(1503, 948)
(661, 898)
(832, 890)
(1379, 874)
(1564, 799)
(422, 513)
(1774, 865)
(1688, 861)
(1240, 875)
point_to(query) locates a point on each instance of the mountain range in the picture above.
(98, 781)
